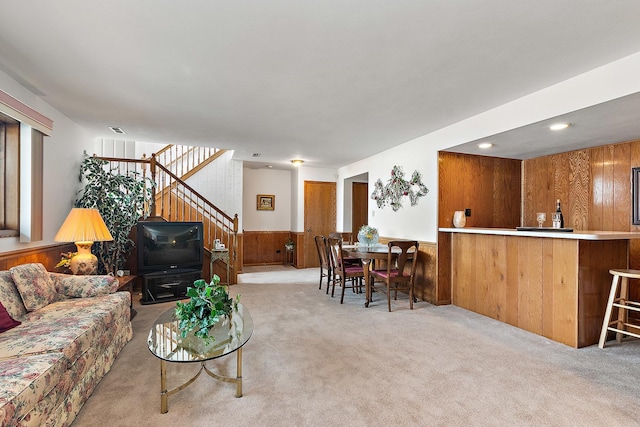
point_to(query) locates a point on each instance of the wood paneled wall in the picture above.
(265, 247)
(593, 185)
(48, 256)
(489, 186)
(426, 269)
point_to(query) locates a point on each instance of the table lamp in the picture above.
(83, 227)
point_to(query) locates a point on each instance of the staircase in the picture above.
(184, 161)
(175, 200)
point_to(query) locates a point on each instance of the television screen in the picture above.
(169, 245)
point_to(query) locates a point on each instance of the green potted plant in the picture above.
(208, 303)
(289, 245)
(122, 198)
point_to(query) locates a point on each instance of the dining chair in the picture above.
(344, 273)
(346, 238)
(399, 274)
(326, 269)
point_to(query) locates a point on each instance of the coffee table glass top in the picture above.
(166, 343)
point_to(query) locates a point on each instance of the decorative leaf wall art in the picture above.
(397, 188)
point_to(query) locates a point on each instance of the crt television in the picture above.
(169, 246)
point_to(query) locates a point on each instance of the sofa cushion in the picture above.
(69, 326)
(6, 322)
(84, 286)
(10, 296)
(34, 284)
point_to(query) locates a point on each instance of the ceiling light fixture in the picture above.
(485, 145)
(559, 126)
(297, 162)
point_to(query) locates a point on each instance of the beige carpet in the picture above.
(314, 362)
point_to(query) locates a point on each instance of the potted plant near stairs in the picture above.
(122, 198)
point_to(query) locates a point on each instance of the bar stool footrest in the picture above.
(619, 331)
(626, 306)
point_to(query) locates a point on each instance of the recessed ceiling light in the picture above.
(559, 126)
(297, 162)
(485, 145)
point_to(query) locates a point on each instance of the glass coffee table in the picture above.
(167, 345)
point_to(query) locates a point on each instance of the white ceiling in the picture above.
(327, 81)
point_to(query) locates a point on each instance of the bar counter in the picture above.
(553, 284)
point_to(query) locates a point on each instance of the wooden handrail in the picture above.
(191, 190)
(175, 200)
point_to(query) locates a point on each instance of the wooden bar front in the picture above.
(554, 287)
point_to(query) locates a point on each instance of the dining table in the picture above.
(367, 253)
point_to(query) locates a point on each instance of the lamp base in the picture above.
(84, 262)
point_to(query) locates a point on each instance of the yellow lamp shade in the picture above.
(83, 226)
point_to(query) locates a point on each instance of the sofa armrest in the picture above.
(84, 286)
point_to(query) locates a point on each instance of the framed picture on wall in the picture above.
(635, 192)
(266, 202)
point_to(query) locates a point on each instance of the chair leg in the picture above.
(344, 285)
(411, 296)
(389, 296)
(622, 312)
(607, 313)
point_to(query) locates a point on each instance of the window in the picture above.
(22, 132)
(9, 176)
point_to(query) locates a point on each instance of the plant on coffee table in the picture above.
(208, 303)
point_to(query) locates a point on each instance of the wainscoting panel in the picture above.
(48, 256)
(265, 247)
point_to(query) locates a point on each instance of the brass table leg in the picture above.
(164, 394)
(239, 373)
(163, 387)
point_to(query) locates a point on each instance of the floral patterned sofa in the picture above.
(60, 334)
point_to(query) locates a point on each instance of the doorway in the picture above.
(319, 216)
(359, 206)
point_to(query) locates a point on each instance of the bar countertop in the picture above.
(575, 235)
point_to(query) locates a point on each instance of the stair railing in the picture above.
(176, 201)
(184, 160)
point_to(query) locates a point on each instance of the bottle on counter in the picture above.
(558, 219)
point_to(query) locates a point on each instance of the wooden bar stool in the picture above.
(623, 304)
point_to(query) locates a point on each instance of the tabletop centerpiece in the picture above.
(209, 303)
(368, 235)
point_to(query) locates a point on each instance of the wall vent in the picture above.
(117, 130)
